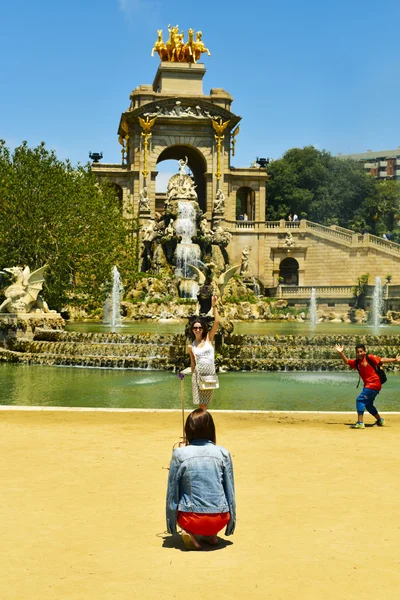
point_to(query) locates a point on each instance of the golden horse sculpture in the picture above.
(176, 50)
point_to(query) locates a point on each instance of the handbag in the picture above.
(207, 382)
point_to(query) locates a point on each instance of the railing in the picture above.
(346, 236)
(245, 224)
(292, 224)
(272, 224)
(342, 229)
(338, 234)
(331, 291)
(377, 241)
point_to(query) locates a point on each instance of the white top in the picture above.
(205, 353)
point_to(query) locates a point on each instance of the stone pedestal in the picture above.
(179, 78)
(23, 325)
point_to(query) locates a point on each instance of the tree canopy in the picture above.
(52, 213)
(331, 190)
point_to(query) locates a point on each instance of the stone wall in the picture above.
(326, 256)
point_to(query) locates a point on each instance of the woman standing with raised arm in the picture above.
(201, 352)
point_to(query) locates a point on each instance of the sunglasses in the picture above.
(199, 328)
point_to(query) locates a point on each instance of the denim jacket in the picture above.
(201, 480)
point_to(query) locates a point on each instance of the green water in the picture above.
(63, 386)
(245, 327)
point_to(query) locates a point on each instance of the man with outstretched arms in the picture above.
(367, 366)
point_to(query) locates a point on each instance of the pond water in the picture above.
(113, 388)
(244, 327)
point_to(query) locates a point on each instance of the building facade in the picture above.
(384, 164)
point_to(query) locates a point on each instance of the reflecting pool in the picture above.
(113, 388)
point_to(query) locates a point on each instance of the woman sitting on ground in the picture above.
(201, 352)
(201, 492)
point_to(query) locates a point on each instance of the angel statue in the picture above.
(22, 296)
(182, 164)
(144, 201)
(219, 202)
(244, 267)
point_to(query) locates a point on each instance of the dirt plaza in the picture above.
(83, 505)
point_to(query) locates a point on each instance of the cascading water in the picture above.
(256, 287)
(377, 307)
(112, 307)
(313, 307)
(187, 253)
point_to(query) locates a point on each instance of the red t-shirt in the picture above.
(367, 373)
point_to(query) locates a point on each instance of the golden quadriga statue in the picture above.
(176, 50)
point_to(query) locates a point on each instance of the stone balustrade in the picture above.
(331, 291)
(341, 234)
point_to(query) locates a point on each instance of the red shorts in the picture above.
(203, 523)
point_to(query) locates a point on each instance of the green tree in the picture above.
(316, 185)
(54, 214)
(388, 203)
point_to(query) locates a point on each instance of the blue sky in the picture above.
(325, 73)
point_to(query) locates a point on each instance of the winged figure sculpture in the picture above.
(22, 296)
(147, 124)
(225, 277)
(219, 127)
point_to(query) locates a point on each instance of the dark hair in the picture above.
(360, 346)
(204, 325)
(200, 426)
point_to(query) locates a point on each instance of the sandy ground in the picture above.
(82, 509)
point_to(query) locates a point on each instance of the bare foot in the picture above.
(190, 541)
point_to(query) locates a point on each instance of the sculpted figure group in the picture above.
(176, 50)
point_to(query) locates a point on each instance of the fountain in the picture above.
(256, 288)
(377, 307)
(187, 252)
(313, 308)
(112, 306)
(180, 241)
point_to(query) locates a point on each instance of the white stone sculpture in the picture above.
(181, 186)
(182, 165)
(144, 200)
(289, 241)
(169, 230)
(206, 231)
(219, 202)
(178, 110)
(222, 237)
(22, 296)
(244, 267)
(149, 231)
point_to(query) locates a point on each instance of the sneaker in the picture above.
(380, 422)
(358, 425)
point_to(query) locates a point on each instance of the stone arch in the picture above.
(196, 163)
(289, 271)
(245, 202)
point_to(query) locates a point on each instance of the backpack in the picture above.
(378, 370)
